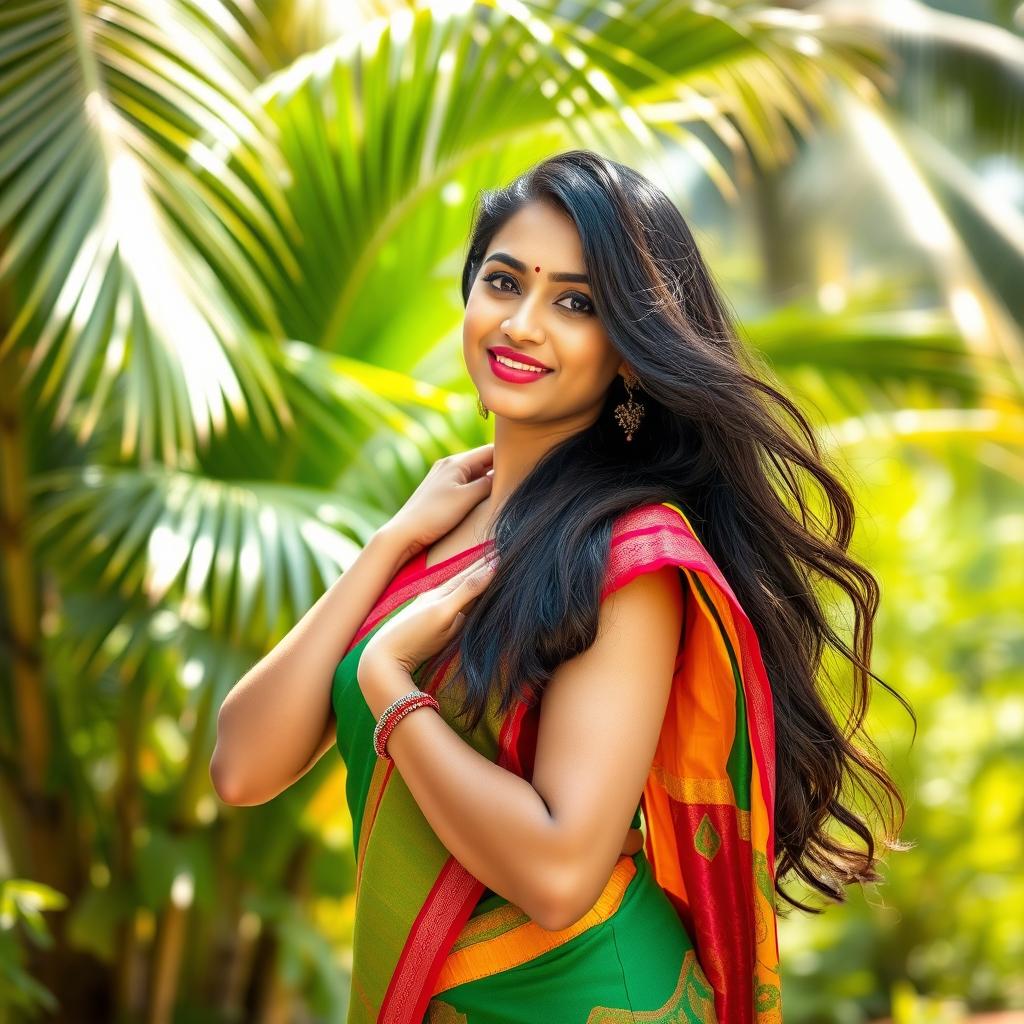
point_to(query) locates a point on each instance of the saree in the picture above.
(685, 929)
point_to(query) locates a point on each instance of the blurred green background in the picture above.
(230, 347)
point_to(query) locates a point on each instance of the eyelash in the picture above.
(571, 295)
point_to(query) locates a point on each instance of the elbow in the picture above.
(221, 771)
(558, 884)
(224, 783)
(227, 783)
(570, 891)
(562, 901)
(226, 773)
(552, 919)
(556, 913)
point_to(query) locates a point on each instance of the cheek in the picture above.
(590, 359)
(477, 318)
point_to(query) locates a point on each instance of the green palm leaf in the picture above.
(151, 152)
(243, 559)
(389, 135)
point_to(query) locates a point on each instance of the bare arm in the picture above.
(550, 846)
(277, 721)
(601, 715)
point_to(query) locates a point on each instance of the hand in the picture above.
(425, 625)
(453, 485)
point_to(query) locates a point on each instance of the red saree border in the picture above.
(759, 698)
(444, 912)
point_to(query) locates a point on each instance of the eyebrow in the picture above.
(503, 257)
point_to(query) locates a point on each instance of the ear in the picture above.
(623, 368)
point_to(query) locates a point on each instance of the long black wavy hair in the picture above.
(713, 443)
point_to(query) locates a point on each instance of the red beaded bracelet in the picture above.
(394, 713)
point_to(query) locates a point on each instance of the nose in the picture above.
(525, 323)
(523, 326)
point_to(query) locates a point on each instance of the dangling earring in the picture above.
(628, 414)
(481, 408)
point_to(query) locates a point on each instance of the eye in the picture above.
(587, 305)
(587, 308)
(498, 273)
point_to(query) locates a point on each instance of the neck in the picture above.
(518, 447)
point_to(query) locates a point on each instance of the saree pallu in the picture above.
(685, 930)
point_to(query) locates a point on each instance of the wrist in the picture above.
(395, 713)
(396, 541)
(382, 683)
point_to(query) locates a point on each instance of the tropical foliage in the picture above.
(230, 237)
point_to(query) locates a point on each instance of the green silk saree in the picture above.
(685, 930)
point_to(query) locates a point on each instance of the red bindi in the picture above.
(537, 269)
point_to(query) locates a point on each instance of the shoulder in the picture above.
(645, 610)
(660, 518)
(643, 588)
(645, 540)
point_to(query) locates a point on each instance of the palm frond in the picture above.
(244, 559)
(391, 133)
(152, 154)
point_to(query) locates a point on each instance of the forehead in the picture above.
(541, 233)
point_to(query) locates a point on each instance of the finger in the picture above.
(473, 581)
(470, 589)
(455, 625)
(476, 460)
(454, 581)
(483, 566)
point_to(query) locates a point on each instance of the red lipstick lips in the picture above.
(510, 373)
(519, 357)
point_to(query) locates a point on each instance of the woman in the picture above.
(574, 792)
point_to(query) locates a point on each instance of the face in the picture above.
(514, 306)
